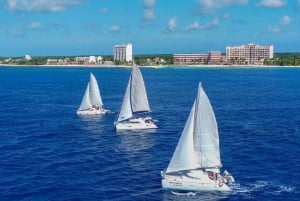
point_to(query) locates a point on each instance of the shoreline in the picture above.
(148, 66)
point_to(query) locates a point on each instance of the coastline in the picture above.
(148, 66)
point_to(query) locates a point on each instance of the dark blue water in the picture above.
(47, 152)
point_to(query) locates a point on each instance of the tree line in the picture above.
(280, 59)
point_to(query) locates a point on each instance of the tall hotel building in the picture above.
(123, 52)
(250, 53)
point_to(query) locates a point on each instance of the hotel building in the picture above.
(123, 53)
(249, 54)
(212, 57)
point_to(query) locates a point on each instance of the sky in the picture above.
(93, 27)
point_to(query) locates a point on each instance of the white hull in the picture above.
(136, 124)
(92, 111)
(196, 180)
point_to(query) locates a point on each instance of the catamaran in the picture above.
(92, 102)
(196, 163)
(135, 104)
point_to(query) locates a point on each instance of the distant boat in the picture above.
(196, 163)
(92, 102)
(135, 105)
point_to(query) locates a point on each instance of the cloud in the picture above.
(208, 25)
(115, 28)
(104, 11)
(285, 20)
(193, 26)
(13, 32)
(272, 3)
(172, 24)
(209, 6)
(34, 26)
(149, 3)
(273, 29)
(148, 15)
(40, 5)
(148, 12)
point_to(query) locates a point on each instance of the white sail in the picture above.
(126, 112)
(95, 97)
(198, 146)
(206, 140)
(139, 100)
(86, 103)
(135, 98)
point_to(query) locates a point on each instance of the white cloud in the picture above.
(213, 23)
(34, 26)
(207, 6)
(272, 3)
(285, 20)
(40, 5)
(16, 32)
(193, 26)
(149, 3)
(274, 29)
(148, 12)
(172, 24)
(226, 16)
(114, 28)
(104, 10)
(148, 15)
(208, 25)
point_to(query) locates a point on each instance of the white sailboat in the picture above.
(196, 163)
(92, 102)
(135, 104)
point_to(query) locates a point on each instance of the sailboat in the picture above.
(135, 104)
(92, 102)
(196, 163)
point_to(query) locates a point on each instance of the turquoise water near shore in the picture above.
(47, 152)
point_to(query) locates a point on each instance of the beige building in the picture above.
(252, 54)
(211, 57)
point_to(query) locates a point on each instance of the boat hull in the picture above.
(136, 124)
(92, 111)
(194, 181)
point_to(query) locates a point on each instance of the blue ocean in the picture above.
(47, 152)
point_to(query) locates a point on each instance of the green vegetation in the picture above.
(284, 59)
(280, 59)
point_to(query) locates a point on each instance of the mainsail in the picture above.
(95, 97)
(135, 98)
(198, 146)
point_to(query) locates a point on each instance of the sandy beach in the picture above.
(148, 66)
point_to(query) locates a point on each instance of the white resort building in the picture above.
(252, 54)
(123, 52)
